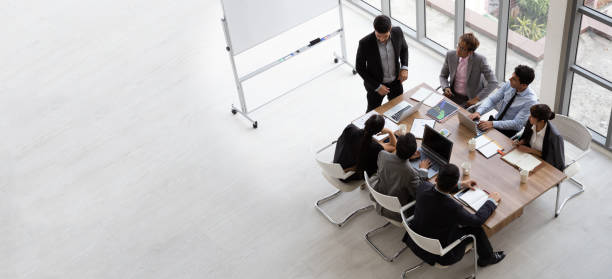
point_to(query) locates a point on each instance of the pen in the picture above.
(500, 152)
(486, 191)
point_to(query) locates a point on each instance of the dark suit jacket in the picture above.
(480, 78)
(368, 63)
(438, 216)
(553, 149)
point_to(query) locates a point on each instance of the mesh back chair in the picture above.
(579, 139)
(390, 203)
(433, 246)
(333, 172)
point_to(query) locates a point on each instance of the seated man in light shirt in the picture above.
(467, 71)
(512, 102)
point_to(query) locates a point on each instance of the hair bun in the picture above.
(552, 115)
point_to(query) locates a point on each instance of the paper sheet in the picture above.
(475, 199)
(418, 126)
(489, 149)
(522, 160)
(481, 141)
(360, 122)
(389, 125)
(433, 100)
(421, 94)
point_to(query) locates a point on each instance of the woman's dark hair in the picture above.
(382, 24)
(373, 126)
(525, 74)
(406, 146)
(542, 112)
(448, 178)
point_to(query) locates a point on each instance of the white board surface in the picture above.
(251, 22)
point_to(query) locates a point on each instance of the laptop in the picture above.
(401, 111)
(470, 124)
(435, 147)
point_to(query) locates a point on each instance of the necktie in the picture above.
(507, 107)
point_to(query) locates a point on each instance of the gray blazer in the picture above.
(480, 78)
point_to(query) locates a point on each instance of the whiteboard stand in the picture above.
(243, 110)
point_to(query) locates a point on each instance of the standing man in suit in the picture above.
(471, 78)
(438, 216)
(382, 62)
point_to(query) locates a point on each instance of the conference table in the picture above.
(492, 174)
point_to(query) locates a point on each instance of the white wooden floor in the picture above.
(120, 157)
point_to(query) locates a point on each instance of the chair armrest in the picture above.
(404, 208)
(472, 108)
(327, 146)
(456, 242)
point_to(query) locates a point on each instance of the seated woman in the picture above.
(356, 149)
(541, 138)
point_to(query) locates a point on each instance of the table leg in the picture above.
(557, 200)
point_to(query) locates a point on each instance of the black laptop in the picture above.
(435, 147)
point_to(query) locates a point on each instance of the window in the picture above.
(440, 22)
(590, 104)
(594, 50)
(481, 19)
(374, 3)
(404, 11)
(526, 33)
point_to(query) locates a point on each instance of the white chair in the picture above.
(390, 203)
(433, 246)
(333, 172)
(579, 139)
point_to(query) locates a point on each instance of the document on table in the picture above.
(487, 146)
(389, 125)
(433, 100)
(473, 198)
(521, 160)
(421, 94)
(360, 122)
(418, 126)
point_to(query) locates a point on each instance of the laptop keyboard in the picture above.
(396, 116)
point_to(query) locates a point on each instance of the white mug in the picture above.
(472, 144)
(403, 129)
(466, 166)
(524, 174)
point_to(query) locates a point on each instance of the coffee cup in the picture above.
(466, 166)
(402, 129)
(524, 175)
(472, 144)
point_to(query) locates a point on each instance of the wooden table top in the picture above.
(493, 174)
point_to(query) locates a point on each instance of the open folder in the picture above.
(472, 198)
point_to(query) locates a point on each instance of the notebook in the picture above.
(486, 146)
(521, 160)
(472, 198)
(421, 94)
(418, 126)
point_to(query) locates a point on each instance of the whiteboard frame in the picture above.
(243, 110)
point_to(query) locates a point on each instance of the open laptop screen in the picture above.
(437, 143)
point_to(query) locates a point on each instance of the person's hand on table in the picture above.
(524, 148)
(383, 90)
(403, 75)
(485, 125)
(415, 156)
(474, 116)
(495, 196)
(471, 102)
(425, 164)
(447, 92)
(468, 183)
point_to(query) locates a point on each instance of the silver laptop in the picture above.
(401, 111)
(470, 124)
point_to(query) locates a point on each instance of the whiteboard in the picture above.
(251, 22)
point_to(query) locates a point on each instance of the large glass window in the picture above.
(440, 22)
(481, 19)
(590, 104)
(526, 33)
(374, 3)
(599, 5)
(404, 11)
(595, 48)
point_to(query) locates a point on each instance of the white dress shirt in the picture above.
(537, 138)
